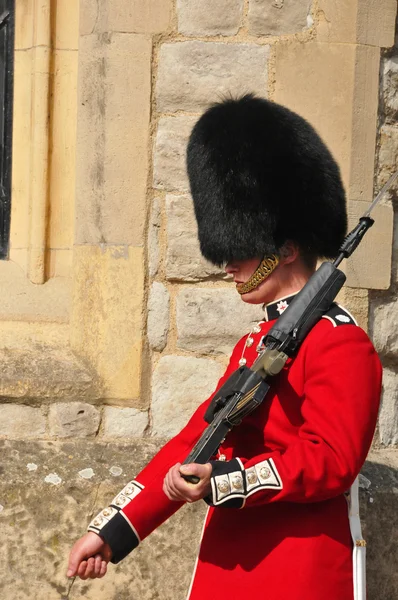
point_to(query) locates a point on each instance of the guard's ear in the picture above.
(289, 252)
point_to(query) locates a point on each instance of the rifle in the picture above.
(247, 387)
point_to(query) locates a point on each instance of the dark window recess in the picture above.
(7, 19)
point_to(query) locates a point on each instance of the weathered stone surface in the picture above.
(107, 317)
(158, 316)
(169, 170)
(112, 138)
(41, 520)
(356, 301)
(124, 422)
(388, 153)
(153, 238)
(184, 260)
(74, 419)
(180, 384)
(390, 87)
(18, 421)
(278, 17)
(384, 325)
(213, 320)
(194, 74)
(209, 18)
(357, 22)
(127, 16)
(42, 372)
(388, 417)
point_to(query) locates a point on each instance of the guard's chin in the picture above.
(251, 298)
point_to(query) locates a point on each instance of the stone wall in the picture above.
(107, 355)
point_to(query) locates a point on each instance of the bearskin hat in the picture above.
(260, 175)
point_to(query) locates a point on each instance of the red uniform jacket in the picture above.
(277, 527)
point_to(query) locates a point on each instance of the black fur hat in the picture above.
(260, 175)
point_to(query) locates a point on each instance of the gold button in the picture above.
(251, 477)
(223, 487)
(256, 329)
(129, 490)
(222, 457)
(107, 512)
(97, 521)
(120, 500)
(237, 483)
(265, 473)
(249, 342)
(242, 362)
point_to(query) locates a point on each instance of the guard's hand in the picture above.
(176, 488)
(89, 557)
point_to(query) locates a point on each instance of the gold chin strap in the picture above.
(264, 270)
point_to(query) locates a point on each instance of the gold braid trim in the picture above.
(264, 269)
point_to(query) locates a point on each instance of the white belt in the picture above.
(359, 552)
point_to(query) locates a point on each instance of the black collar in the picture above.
(273, 310)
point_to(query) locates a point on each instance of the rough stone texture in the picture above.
(158, 316)
(356, 301)
(40, 521)
(357, 21)
(107, 317)
(278, 17)
(213, 320)
(184, 260)
(384, 325)
(124, 422)
(169, 170)
(193, 74)
(390, 87)
(180, 384)
(112, 138)
(388, 153)
(74, 419)
(128, 16)
(388, 417)
(41, 372)
(153, 238)
(18, 421)
(207, 17)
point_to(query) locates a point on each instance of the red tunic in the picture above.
(278, 525)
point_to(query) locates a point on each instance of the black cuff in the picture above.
(227, 484)
(119, 534)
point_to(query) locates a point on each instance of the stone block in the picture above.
(40, 372)
(278, 17)
(63, 151)
(370, 266)
(73, 420)
(384, 326)
(179, 385)
(388, 154)
(207, 18)
(367, 22)
(388, 416)
(67, 24)
(106, 320)
(390, 87)
(18, 421)
(194, 74)
(153, 238)
(124, 423)
(184, 260)
(169, 170)
(24, 24)
(112, 138)
(158, 316)
(128, 16)
(213, 320)
(315, 80)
